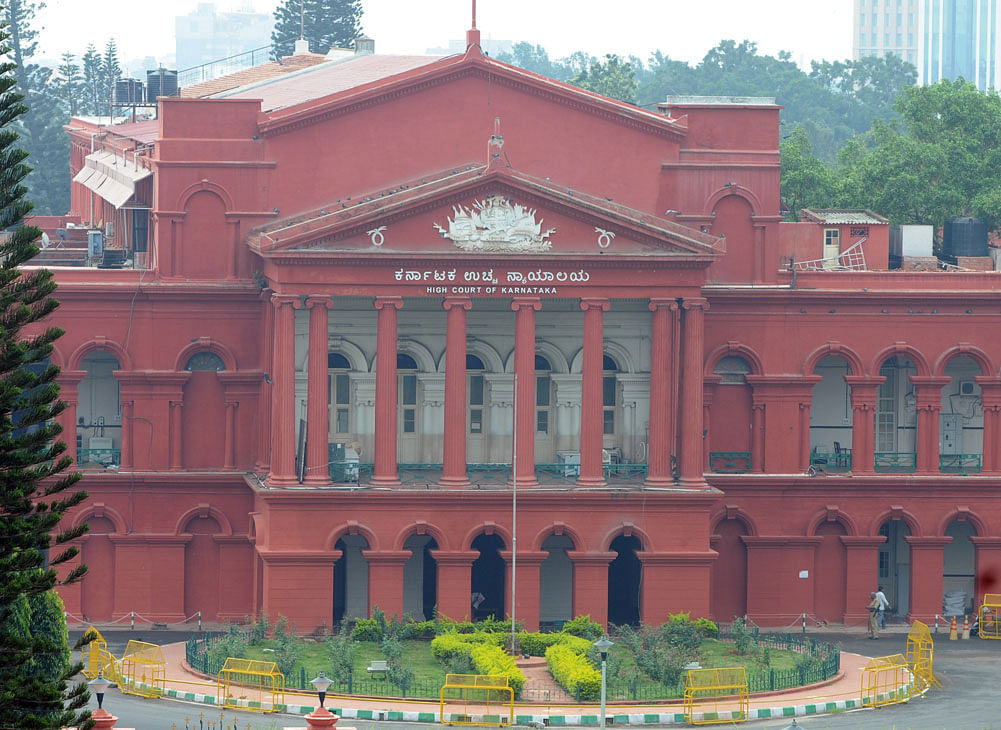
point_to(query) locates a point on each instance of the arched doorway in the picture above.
(959, 565)
(556, 582)
(99, 414)
(488, 578)
(831, 416)
(204, 414)
(729, 571)
(730, 417)
(961, 420)
(350, 579)
(201, 568)
(896, 417)
(624, 573)
(830, 572)
(97, 599)
(894, 569)
(420, 577)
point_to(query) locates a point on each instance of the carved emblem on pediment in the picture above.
(496, 224)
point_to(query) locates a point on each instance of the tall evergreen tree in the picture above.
(35, 488)
(111, 71)
(69, 84)
(91, 80)
(325, 24)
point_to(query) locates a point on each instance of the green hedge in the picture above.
(535, 644)
(572, 670)
(446, 646)
(491, 659)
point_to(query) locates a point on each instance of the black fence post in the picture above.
(351, 677)
(635, 684)
(577, 692)
(302, 677)
(772, 685)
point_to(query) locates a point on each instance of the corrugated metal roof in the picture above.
(326, 79)
(839, 216)
(253, 75)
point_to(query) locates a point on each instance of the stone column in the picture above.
(125, 458)
(283, 390)
(861, 574)
(864, 392)
(229, 439)
(757, 434)
(927, 566)
(804, 436)
(69, 393)
(263, 458)
(591, 421)
(691, 393)
(317, 395)
(659, 443)
(929, 406)
(524, 368)
(990, 394)
(385, 579)
(455, 582)
(384, 472)
(590, 583)
(527, 595)
(453, 470)
(988, 566)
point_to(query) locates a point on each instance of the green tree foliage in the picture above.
(36, 490)
(325, 24)
(614, 78)
(68, 85)
(806, 181)
(92, 85)
(111, 71)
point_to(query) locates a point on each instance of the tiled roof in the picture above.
(326, 79)
(144, 132)
(835, 216)
(253, 75)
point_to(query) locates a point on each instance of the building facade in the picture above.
(884, 27)
(366, 305)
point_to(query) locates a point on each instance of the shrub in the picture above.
(741, 636)
(446, 646)
(491, 659)
(535, 644)
(366, 629)
(232, 644)
(583, 626)
(287, 659)
(418, 630)
(459, 664)
(392, 648)
(341, 653)
(259, 628)
(282, 629)
(708, 628)
(573, 671)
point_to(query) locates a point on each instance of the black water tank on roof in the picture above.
(128, 91)
(160, 82)
(964, 237)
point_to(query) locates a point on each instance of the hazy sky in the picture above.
(685, 30)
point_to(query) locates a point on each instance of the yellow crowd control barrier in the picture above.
(886, 680)
(921, 656)
(989, 621)
(143, 670)
(714, 693)
(96, 658)
(249, 684)
(477, 699)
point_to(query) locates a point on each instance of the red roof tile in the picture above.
(252, 75)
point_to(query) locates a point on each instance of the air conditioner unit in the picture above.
(967, 388)
(109, 229)
(95, 244)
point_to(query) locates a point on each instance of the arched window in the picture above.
(732, 370)
(205, 360)
(407, 374)
(543, 395)
(609, 394)
(339, 394)
(474, 374)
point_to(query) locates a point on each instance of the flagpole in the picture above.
(514, 504)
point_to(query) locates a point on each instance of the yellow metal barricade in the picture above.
(989, 620)
(143, 670)
(96, 658)
(481, 699)
(920, 657)
(721, 695)
(251, 685)
(886, 680)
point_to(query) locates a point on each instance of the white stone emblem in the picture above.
(378, 238)
(496, 224)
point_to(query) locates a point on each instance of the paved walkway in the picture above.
(838, 694)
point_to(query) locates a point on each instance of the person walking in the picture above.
(873, 607)
(883, 605)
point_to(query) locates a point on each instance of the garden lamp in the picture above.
(321, 683)
(98, 684)
(603, 645)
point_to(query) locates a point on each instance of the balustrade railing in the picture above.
(899, 462)
(959, 463)
(730, 462)
(98, 458)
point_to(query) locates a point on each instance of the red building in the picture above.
(337, 292)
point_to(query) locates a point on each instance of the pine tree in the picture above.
(36, 490)
(111, 71)
(91, 80)
(325, 24)
(69, 84)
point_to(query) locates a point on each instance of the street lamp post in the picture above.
(103, 720)
(321, 717)
(603, 644)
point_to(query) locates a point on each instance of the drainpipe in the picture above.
(91, 222)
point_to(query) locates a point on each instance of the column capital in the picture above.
(525, 303)
(594, 303)
(695, 303)
(394, 302)
(282, 299)
(317, 300)
(449, 302)
(659, 303)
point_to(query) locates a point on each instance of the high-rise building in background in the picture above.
(944, 39)
(206, 35)
(882, 27)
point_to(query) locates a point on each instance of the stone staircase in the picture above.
(539, 683)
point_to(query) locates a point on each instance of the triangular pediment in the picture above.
(478, 212)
